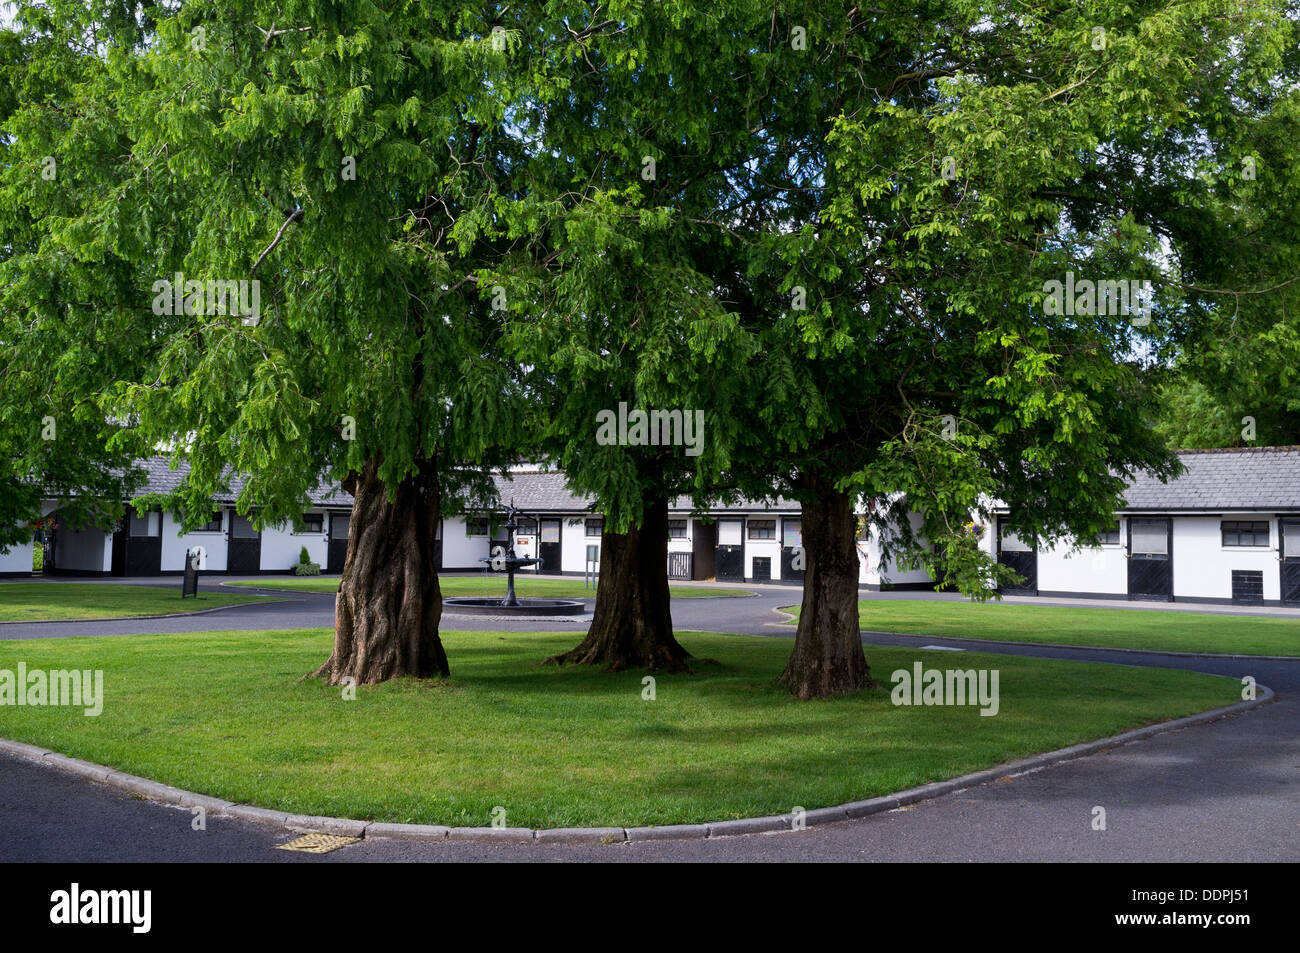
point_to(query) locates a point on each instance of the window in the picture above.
(762, 529)
(144, 524)
(241, 527)
(477, 527)
(677, 529)
(1011, 543)
(527, 526)
(1244, 532)
(213, 525)
(1111, 536)
(313, 522)
(1148, 537)
(791, 532)
(595, 525)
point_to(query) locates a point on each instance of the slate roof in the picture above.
(536, 492)
(532, 490)
(775, 505)
(1233, 480)
(163, 479)
(1254, 478)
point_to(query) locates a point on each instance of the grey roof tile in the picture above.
(1254, 478)
(532, 490)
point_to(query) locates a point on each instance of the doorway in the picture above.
(704, 545)
(1288, 551)
(244, 549)
(340, 529)
(548, 546)
(1150, 559)
(1019, 556)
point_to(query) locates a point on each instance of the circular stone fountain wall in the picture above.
(525, 607)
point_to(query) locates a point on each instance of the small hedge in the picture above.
(305, 566)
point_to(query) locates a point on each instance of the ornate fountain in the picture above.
(511, 604)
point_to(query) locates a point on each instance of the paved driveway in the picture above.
(1225, 791)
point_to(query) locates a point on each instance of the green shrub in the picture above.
(303, 557)
(307, 569)
(38, 556)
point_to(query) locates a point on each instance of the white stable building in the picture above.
(748, 541)
(149, 542)
(1226, 531)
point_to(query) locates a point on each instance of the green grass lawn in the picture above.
(35, 601)
(1106, 628)
(489, 585)
(223, 713)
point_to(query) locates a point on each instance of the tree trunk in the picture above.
(828, 658)
(632, 626)
(389, 604)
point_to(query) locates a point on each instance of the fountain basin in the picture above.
(462, 605)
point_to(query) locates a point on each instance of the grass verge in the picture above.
(1145, 629)
(223, 713)
(71, 601)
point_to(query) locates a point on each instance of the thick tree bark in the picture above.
(389, 604)
(632, 626)
(828, 658)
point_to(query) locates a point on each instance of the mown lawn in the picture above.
(36, 601)
(1149, 629)
(488, 585)
(224, 713)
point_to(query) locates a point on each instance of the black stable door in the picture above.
(244, 548)
(1020, 558)
(1289, 556)
(1150, 559)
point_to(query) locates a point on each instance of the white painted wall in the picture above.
(526, 542)
(878, 571)
(1093, 569)
(458, 550)
(574, 543)
(1203, 565)
(281, 546)
(174, 545)
(88, 550)
(19, 557)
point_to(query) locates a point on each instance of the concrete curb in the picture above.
(282, 820)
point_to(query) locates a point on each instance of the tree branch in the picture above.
(293, 217)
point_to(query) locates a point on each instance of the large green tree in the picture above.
(914, 192)
(61, 318)
(973, 153)
(610, 310)
(346, 158)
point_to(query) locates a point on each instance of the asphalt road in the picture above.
(1226, 791)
